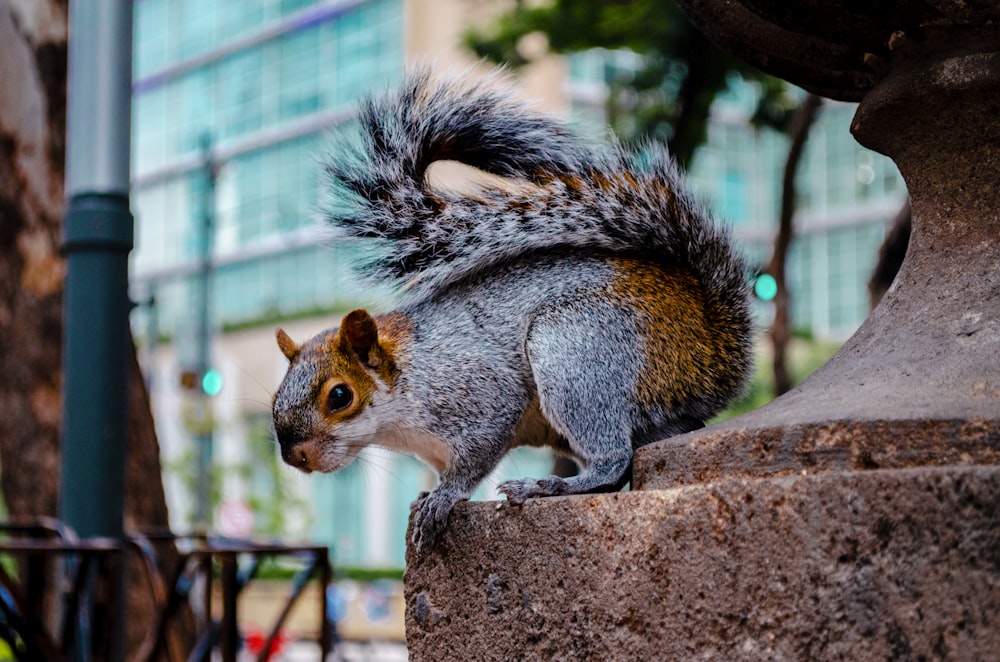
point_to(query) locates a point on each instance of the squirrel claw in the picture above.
(418, 501)
(517, 491)
(513, 491)
(430, 516)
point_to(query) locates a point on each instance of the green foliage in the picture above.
(8, 648)
(680, 72)
(274, 568)
(777, 105)
(270, 498)
(365, 575)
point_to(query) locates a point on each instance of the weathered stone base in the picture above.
(883, 564)
(725, 452)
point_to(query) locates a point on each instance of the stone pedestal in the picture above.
(856, 517)
(919, 383)
(898, 564)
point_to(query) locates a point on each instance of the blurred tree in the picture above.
(33, 62)
(669, 96)
(781, 331)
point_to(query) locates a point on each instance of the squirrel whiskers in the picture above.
(593, 308)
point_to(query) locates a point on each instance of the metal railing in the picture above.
(205, 566)
(31, 628)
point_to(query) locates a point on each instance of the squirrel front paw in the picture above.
(430, 516)
(519, 490)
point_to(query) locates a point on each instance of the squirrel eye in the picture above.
(340, 396)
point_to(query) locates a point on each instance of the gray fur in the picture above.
(432, 239)
(487, 348)
(517, 333)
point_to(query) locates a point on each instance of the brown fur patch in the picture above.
(395, 332)
(335, 366)
(359, 333)
(286, 344)
(336, 362)
(686, 338)
(614, 182)
(572, 183)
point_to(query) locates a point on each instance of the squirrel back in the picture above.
(596, 199)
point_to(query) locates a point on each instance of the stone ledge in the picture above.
(726, 451)
(881, 564)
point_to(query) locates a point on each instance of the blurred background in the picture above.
(235, 100)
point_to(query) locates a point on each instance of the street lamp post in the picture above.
(97, 239)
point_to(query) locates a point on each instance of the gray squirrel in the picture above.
(592, 307)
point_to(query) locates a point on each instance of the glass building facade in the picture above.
(260, 82)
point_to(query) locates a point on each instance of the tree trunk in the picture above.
(706, 75)
(33, 63)
(781, 328)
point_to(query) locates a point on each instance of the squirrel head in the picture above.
(320, 408)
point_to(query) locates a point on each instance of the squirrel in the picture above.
(592, 307)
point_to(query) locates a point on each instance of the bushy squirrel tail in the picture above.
(584, 198)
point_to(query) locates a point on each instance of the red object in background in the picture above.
(254, 641)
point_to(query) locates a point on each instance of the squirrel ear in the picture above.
(287, 345)
(359, 332)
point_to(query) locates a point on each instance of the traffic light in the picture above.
(190, 380)
(765, 287)
(209, 382)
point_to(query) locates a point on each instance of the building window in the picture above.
(321, 64)
(245, 98)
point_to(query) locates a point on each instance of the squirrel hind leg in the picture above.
(585, 396)
(590, 480)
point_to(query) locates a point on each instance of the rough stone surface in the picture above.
(900, 564)
(722, 452)
(925, 366)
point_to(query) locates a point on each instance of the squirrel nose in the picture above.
(297, 455)
(293, 442)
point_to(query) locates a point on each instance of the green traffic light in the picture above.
(765, 287)
(211, 382)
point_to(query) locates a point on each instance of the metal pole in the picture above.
(97, 238)
(204, 438)
(152, 334)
